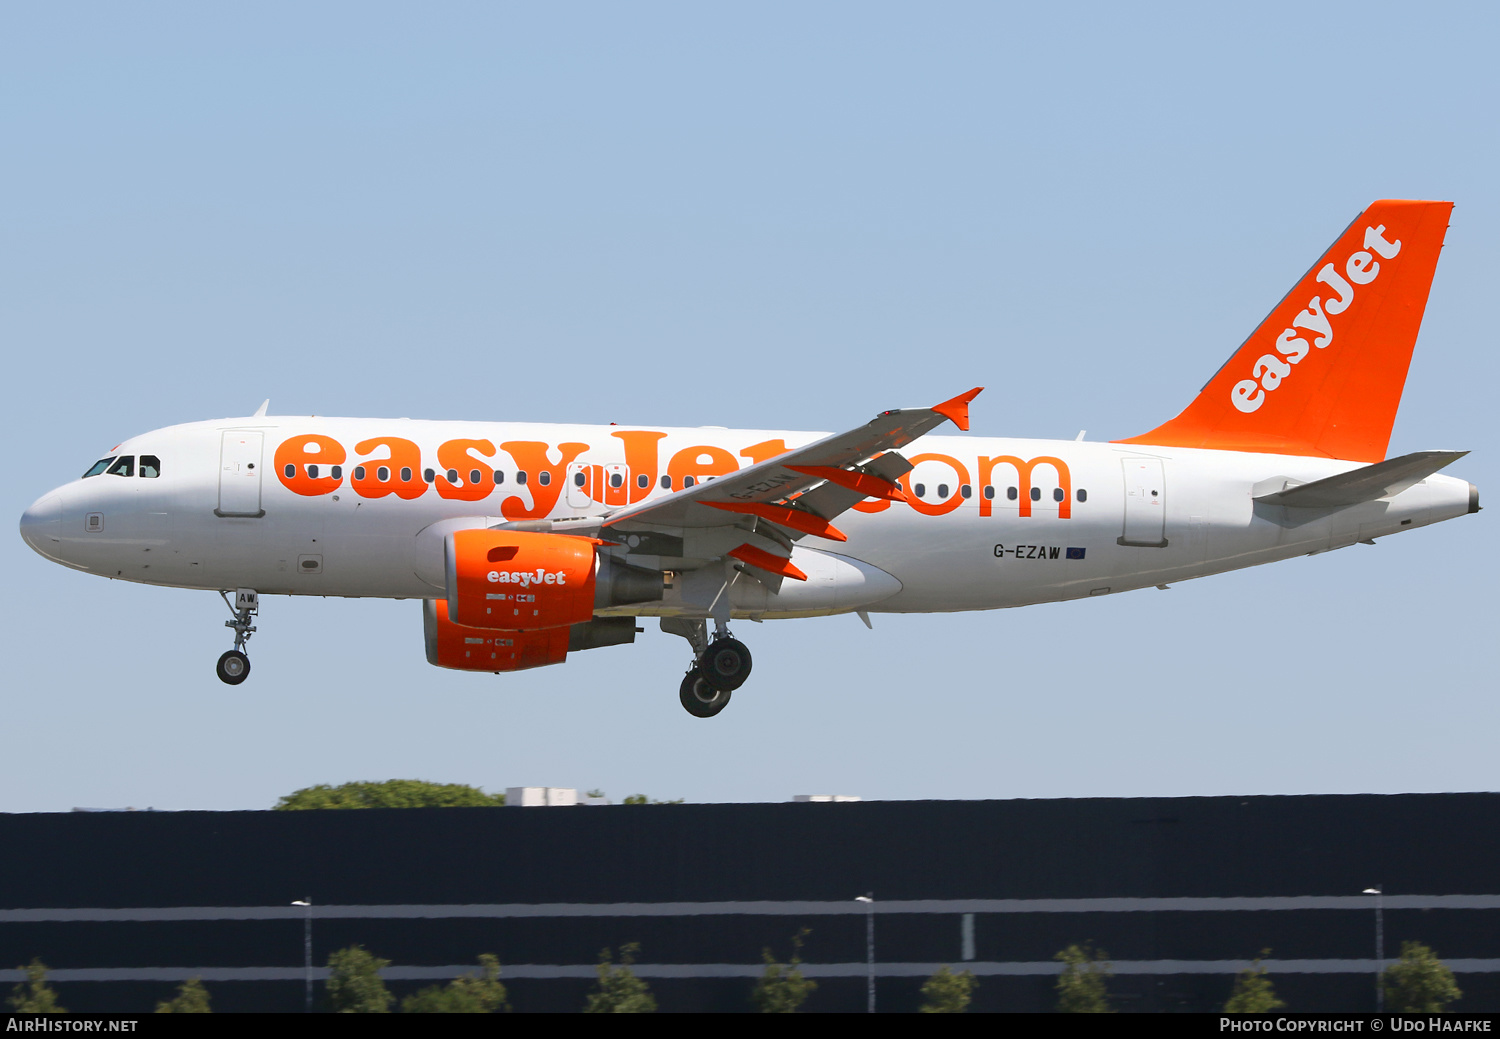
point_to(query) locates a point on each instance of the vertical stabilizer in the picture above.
(1323, 374)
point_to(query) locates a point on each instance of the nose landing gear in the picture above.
(719, 667)
(234, 666)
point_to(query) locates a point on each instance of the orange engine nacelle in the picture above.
(519, 581)
(479, 649)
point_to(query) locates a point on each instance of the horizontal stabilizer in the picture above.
(1367, 483)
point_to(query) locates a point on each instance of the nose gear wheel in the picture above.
(234, 667)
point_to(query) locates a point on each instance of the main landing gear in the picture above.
(234, 665)
(719, 667)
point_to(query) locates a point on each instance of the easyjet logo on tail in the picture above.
(1269, 370)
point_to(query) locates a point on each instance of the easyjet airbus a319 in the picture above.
(526, 542)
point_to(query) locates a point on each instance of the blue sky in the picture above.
(771, 215)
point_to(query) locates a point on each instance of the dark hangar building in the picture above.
(1180, 892)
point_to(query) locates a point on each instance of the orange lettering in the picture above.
(758, 453)
(455, 456)
(1023, 482)
(299, 457)
(944, 507)
(700, 462)
(403, 470)
(545, 478)
(640, 458)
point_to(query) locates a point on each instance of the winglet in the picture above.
(957, 409)
(260, 412)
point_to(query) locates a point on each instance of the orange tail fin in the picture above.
(1323, 374)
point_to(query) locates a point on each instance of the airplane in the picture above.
(525, 542)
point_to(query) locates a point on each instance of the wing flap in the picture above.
(845, 458)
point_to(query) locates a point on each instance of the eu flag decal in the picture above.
(1076, 553)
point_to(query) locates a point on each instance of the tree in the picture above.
(1419, 983)
(947, 993)
(468, 994)
(354, 985)
(620, 991)
(642, 799)
(782, 988)
(34, 995)
(393, 793)
(191, 998)
(1081, 989)
(1253, 992)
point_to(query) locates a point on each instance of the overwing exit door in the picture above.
(1145, 503)
(239, 474)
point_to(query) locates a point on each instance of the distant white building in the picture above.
(547, 797)
(814, 797)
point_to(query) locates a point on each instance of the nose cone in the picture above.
(41, 525)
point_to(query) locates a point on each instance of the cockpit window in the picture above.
(150, 466)
(124, 466)
(98, 467)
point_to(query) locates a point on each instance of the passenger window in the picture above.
(359, 472)
(1083, 495)
(499, 476)
(150, 466)
(406, 474)
(336, 471)
(1036, 494)
(920, 490)
(989, 493)
(643, 481)
(452, 475)
(943, 490)
(382, 474)
(688, 481)
(544, 478)
(98, 467)
(966, 491)
(521, 477)
(289, 471)
(475, 476)
(1011, 493)
(124, 466)
(1057, 494)
(579, 479)
(666, 483)
(312, 472)
(428, 475)
(616, 480)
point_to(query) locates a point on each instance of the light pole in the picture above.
(869, 901)
(306, 904)
(1379, 892)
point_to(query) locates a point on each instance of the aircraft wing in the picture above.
(797, 493)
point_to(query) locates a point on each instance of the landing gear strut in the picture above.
(234, 665)
(719, 667)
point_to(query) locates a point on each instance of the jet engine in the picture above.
(486, 649)
(517, 580)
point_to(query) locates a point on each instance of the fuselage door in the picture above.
(616, 484)
(1145, 503)
(239, 474)
(578, 485)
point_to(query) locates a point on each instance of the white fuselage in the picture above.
(1130, 516)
